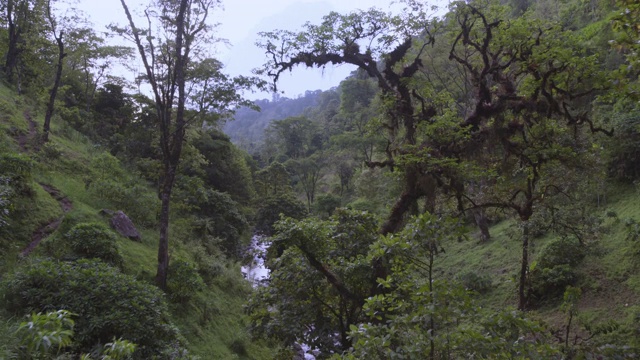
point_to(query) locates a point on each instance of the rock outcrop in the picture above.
(121, 223)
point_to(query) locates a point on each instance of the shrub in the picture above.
(46, 333)
(209, 266)
(565, 251)
(632, 228)
(239, 347)
(106, 166)
(94, 241)
(183, 281)
(18, 168)
(6, 195)
(473, 281)
(50, 151)
(550, 283)
(108, 304)
(109, 181)
(554, 270)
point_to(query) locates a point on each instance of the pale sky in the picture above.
(241, 20)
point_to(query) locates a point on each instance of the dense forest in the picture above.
(470, 191)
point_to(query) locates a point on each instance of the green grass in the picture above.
(609, 275)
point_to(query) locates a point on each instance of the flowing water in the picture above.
(255, 271)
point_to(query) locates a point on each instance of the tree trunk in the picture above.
(54, 90)
(524, 268)
(12, 50)
(163, 245)
(172, 148)
(480, 218)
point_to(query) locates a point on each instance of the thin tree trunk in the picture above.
(524, 268)
(12, 50)
(172, 148)
(163, 245)
(432, 325)
(54, 90)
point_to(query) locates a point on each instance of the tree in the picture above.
(226, 169)
(88, 62)
(533, 84)
(307, 172)
(294, 136)
(53, 92)
(379, 44)
(25, 19)
(527, 87)
(272, 180)
(169, 47)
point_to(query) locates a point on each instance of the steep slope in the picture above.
(58, 196)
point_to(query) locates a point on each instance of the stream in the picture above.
(255, 271)
(258, 274)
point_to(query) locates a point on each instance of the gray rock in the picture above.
(298, 352)
(121, 223)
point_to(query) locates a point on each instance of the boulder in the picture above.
(298, 352)
(121, 223)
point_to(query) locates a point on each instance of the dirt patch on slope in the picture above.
(25, 139)
(47, 229)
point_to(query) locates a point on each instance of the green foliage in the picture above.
(18, 169)
(295, 137)
(183, 281)
(623, 150)
(307, 173)
(225, 168)
(117, 349)
(108, 304)
(272, 180)
(6, 194)
(106, 166)
(210, 265)
(555, 269)
(476, 282)
(550, 283)
(376, 189)
(302, 302)
(50, 151)
(110, 183)
(46, 333)
(270, 209)
(326, 204)
(561, 252)
(418, 320)
(94, 241)
(44, 336)
(632, 228)
(218, 215)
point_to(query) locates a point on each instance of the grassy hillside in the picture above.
(212, 322)
(608, 275)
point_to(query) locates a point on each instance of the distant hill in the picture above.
(247, 128)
